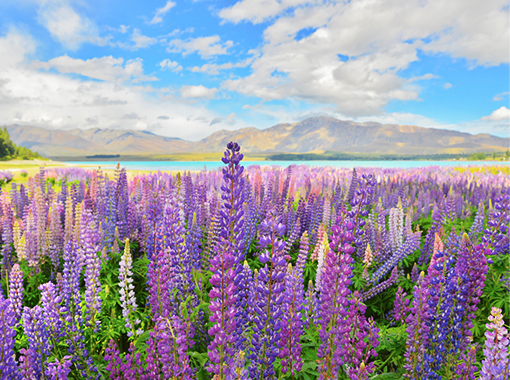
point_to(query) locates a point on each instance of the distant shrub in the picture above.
(24, 173)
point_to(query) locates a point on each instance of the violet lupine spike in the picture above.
(238, 372)
(158, 278)
(496, 365)
(8, 369)
(333, 303)
(471, 270)
(127, 294)
(311, 306)
(466, 368)
(268, 310)
(292, 326)
(401, 309)
(223, 310)
(382, 286)
(417, 330)
(16, 290)
(302, 255)
(59, 369)
(361, 341)
(89, 242)
(174, 338)
(411, 243)
(38, 338)
(51, 303)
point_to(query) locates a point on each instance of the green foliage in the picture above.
(9, 150)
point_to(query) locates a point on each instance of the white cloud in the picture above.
(105, 68)
(214, 68)
(304, 52)
(258, 11)
(502, 113)
(142, 41)
(447, 86)
(422, 77)
(198, 92)
(500, 96)
(170, 65)
(206, 47)
(161, 11)
(67, 26)
(14, 47)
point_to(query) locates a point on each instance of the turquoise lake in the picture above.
(212, 165)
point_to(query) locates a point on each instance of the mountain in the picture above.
(317, 134)
(79, 142)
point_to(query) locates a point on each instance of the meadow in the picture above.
(255, 273)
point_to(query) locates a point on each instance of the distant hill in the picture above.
(317, 134)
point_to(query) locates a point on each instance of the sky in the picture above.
(188, 68)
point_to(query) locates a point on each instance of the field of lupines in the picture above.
(257, 273)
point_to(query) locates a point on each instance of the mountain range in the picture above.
(316, 134)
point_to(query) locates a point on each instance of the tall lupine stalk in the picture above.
(16, 291)
(496, 365)
(268, 310)
(292, 326)
(417, 330)
(127, 294)
(8, 319)
(228, 255)
(89, 242)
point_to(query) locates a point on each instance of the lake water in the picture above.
(211, 165)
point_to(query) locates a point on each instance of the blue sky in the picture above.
(190, 68)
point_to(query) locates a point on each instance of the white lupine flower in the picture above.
(127, 294)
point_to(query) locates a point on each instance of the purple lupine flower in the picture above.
(16, 290)
(417, 330)
(238, 372)
(333, 305)
(496, 365)
(59, 369)
(401, 305)
(158, 281)
(411, 243)
(311, 306)
(292, 327)
(361, 341)
(471, 270)
(89, 242)
(127, 294)
(466, 368)
(129, 368)
(381, 286)
(9, 320)
(223, 310)
(51, 303)
(39, 341)
(268, 310)
(173, 337)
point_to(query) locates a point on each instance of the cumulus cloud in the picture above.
(105, 68)
(502, 113)
(67, 26)
(167, 64)
(206, 47)
(447, 86)
(198, 92)
(158, 16)
(344, 59)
